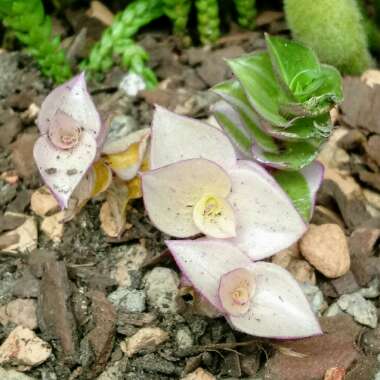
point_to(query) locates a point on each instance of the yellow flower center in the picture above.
(241, 295)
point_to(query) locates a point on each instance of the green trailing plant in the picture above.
(178, 12)
(28, 21)
(141, 12)
(277, 111)
(246, 10)
(334, 30)
(208, 20)
(118, 36)
(134, 58)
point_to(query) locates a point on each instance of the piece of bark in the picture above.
(363, 240)
(348, 196)
(345, 284)
(56, 319)
(100, 338)
(361, 104)
(336, 348)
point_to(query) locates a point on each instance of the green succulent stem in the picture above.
(28, 21)
(208, 20)
(178, 12)
(246, 10)
(134, 59)
(119, 34)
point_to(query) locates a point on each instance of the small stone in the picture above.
(24, 349)
(114, 372)
(363, 311)
(146, 338)
(129, 261)
(153, 363)
(52, 226)
(27, 236)
(333, 310)
(161, 285)
(373, 200)
(20, 312)
(132, 84)
(128, 300)
(11, 374)
(335, 373)
(301, 270)
(43, 203)
(372, 291)
(325, 247)
(331, 155)
(184, 338)
(315, 298)
(199, 374)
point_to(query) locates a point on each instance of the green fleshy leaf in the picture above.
(296, 186)
(289, 58)
(232, 125)
(292, 155)
(261, 87)
(263, 132)
(233, 93)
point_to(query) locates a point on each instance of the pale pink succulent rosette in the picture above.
(198, 186)
(71, 133)
(256, 298)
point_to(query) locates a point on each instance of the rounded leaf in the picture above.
(171, 192)
(278, 307)
(205, 261)
(266, 220)
(176, 138)
(73, 99)
(62, 170)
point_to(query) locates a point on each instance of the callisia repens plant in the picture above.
(234, 213)
(76, 152)
(228, 197)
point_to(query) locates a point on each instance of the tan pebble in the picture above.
(42, 202)
(21, 312)
(302, 271)
(199, 374)
(23, 348)
(145, 338)
(326, 248)
(52, 226)
(282, 258)
(27, 236)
